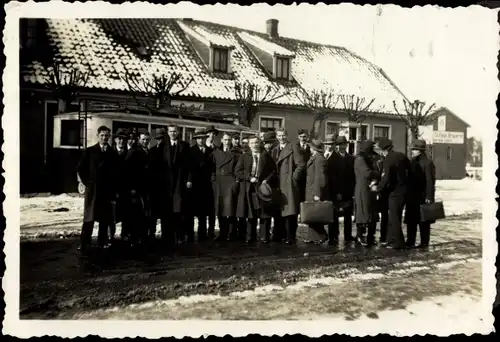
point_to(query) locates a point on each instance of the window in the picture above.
(283, 68)
(364, 132)
(332, 128)
(380, 132)
(71, 132)
(449, 153)
(129, 126)
(188, 134)
(270, 124)
(220, 62)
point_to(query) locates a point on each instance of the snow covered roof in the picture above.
(108, 47)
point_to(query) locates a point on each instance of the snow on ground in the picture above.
(62, 214)
(370, 302)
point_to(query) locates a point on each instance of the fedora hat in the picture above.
(302, 131)
(235, 135)
(366, 146)
(317, 145)
(269, 137)
(330, 139)
(419, 144)
(384, 143)
(341, 140)
(211, 129)
(199, 133)
(265, 192)
(121, 133)
(160, 133)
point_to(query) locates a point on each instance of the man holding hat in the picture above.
(421, 190)
(341, 165)
(201, 191)
(395, 181)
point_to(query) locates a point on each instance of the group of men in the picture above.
(260, 183)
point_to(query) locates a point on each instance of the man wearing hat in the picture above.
(252, 170)
(316, 187)
(305, 150)
(240, 222)
(120, 146)
(201, 191)
(382, 200)
(421, 190)
(212, 133)
(268, 210)
(290, 170)
(342, 184)
(395, 180)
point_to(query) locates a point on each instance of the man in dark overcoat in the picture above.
(303, 147)
(422, 190)
(212, 134)
(121, 148)
(252, 170)
(382, 198)
(239, 222)
(139, 187)
(330, 152)
(290, 166)
(270, 211)
(317, 188)
(395, 180)
(172, 175)
(97, 171)
(225, 185)
(343, 181)
(201, 194)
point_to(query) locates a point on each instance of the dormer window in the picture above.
(220, 60)
(282, 68)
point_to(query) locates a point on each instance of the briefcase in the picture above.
(316, 212)
(431, 211)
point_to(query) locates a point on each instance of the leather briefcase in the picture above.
(316, 212)
(431, 211)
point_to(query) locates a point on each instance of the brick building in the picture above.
(213, 55)
(446, 136)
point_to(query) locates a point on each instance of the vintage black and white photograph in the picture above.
(231, 164)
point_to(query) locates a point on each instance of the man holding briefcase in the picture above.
(421, 191)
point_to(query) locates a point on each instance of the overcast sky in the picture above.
(440, 55)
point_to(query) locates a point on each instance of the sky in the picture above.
(438, 55)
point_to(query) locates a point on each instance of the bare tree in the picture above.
(357, 108)
(414, 115)
(320, 103)
(250, 96)
(65, 84)
(157, 86)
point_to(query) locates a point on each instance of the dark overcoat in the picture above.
(139, 178)
(97, 171)
(225, 183)
(201, 195)
(342, 177)
(306, 154)
(171, 174)
(421, 188)
(316, 179)
(248, 203)
(365, 200)
(396, 174)
(290, 167)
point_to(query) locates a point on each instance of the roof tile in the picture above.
(108, 46)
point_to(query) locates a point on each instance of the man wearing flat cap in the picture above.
(395, 180)
(421, 190)
(212, 133)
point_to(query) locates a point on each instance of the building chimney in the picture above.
(272, 28)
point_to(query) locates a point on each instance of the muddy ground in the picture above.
(56, 282)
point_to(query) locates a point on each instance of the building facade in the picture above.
(210, 59)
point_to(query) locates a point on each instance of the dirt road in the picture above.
(57, 283)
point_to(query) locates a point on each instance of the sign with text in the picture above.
(440, 137)
(442, 123)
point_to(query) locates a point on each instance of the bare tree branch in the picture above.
(318, 100)
(357, 108)
(250, 96)
(65, 84)
(414, 115)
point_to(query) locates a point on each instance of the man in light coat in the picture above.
(290, 170)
